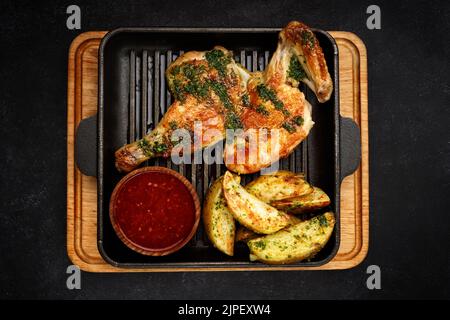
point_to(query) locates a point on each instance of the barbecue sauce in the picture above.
(154, 210)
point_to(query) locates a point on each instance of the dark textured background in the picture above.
(409, 149)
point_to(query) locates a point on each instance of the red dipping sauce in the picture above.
(154, 210)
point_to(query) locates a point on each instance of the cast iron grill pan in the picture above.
(133, 97)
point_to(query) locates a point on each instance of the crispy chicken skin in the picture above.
(189, 108)
(211, 88)
(301, 40)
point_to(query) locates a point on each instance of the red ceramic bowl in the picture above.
(154, 210)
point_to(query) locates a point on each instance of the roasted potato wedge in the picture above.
(218, 220)
(295, 243)
(315, 200)
(251, 212)
(243, 234)
(279, 185)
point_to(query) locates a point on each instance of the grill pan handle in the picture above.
(350, 143)
(86, 146)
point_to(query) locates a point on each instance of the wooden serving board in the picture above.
(82, 190)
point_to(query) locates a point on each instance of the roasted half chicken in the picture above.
(213, 93)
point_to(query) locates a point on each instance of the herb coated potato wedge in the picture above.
(315, 200)
(279, 185)
(243, 234)
(218, 220)
(295, 243)
(251, 212)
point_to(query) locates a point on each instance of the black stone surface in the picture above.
(409, 116)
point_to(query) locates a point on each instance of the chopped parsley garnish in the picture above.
(159, 147)
(289, 127)
(198, 90)
(220, 203)
(192, 72)
(173, 125)
(262, 110)
(308, 38)
(187, 80)
(218, 60)
(145, 146)
(298, 120)
(323, 221)
(268, 94)
(296, 70)
(175, 70)
(232, 121)
(177, 90)
(150, 149)
(261, 244)
(193, 85)
(221, 91)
